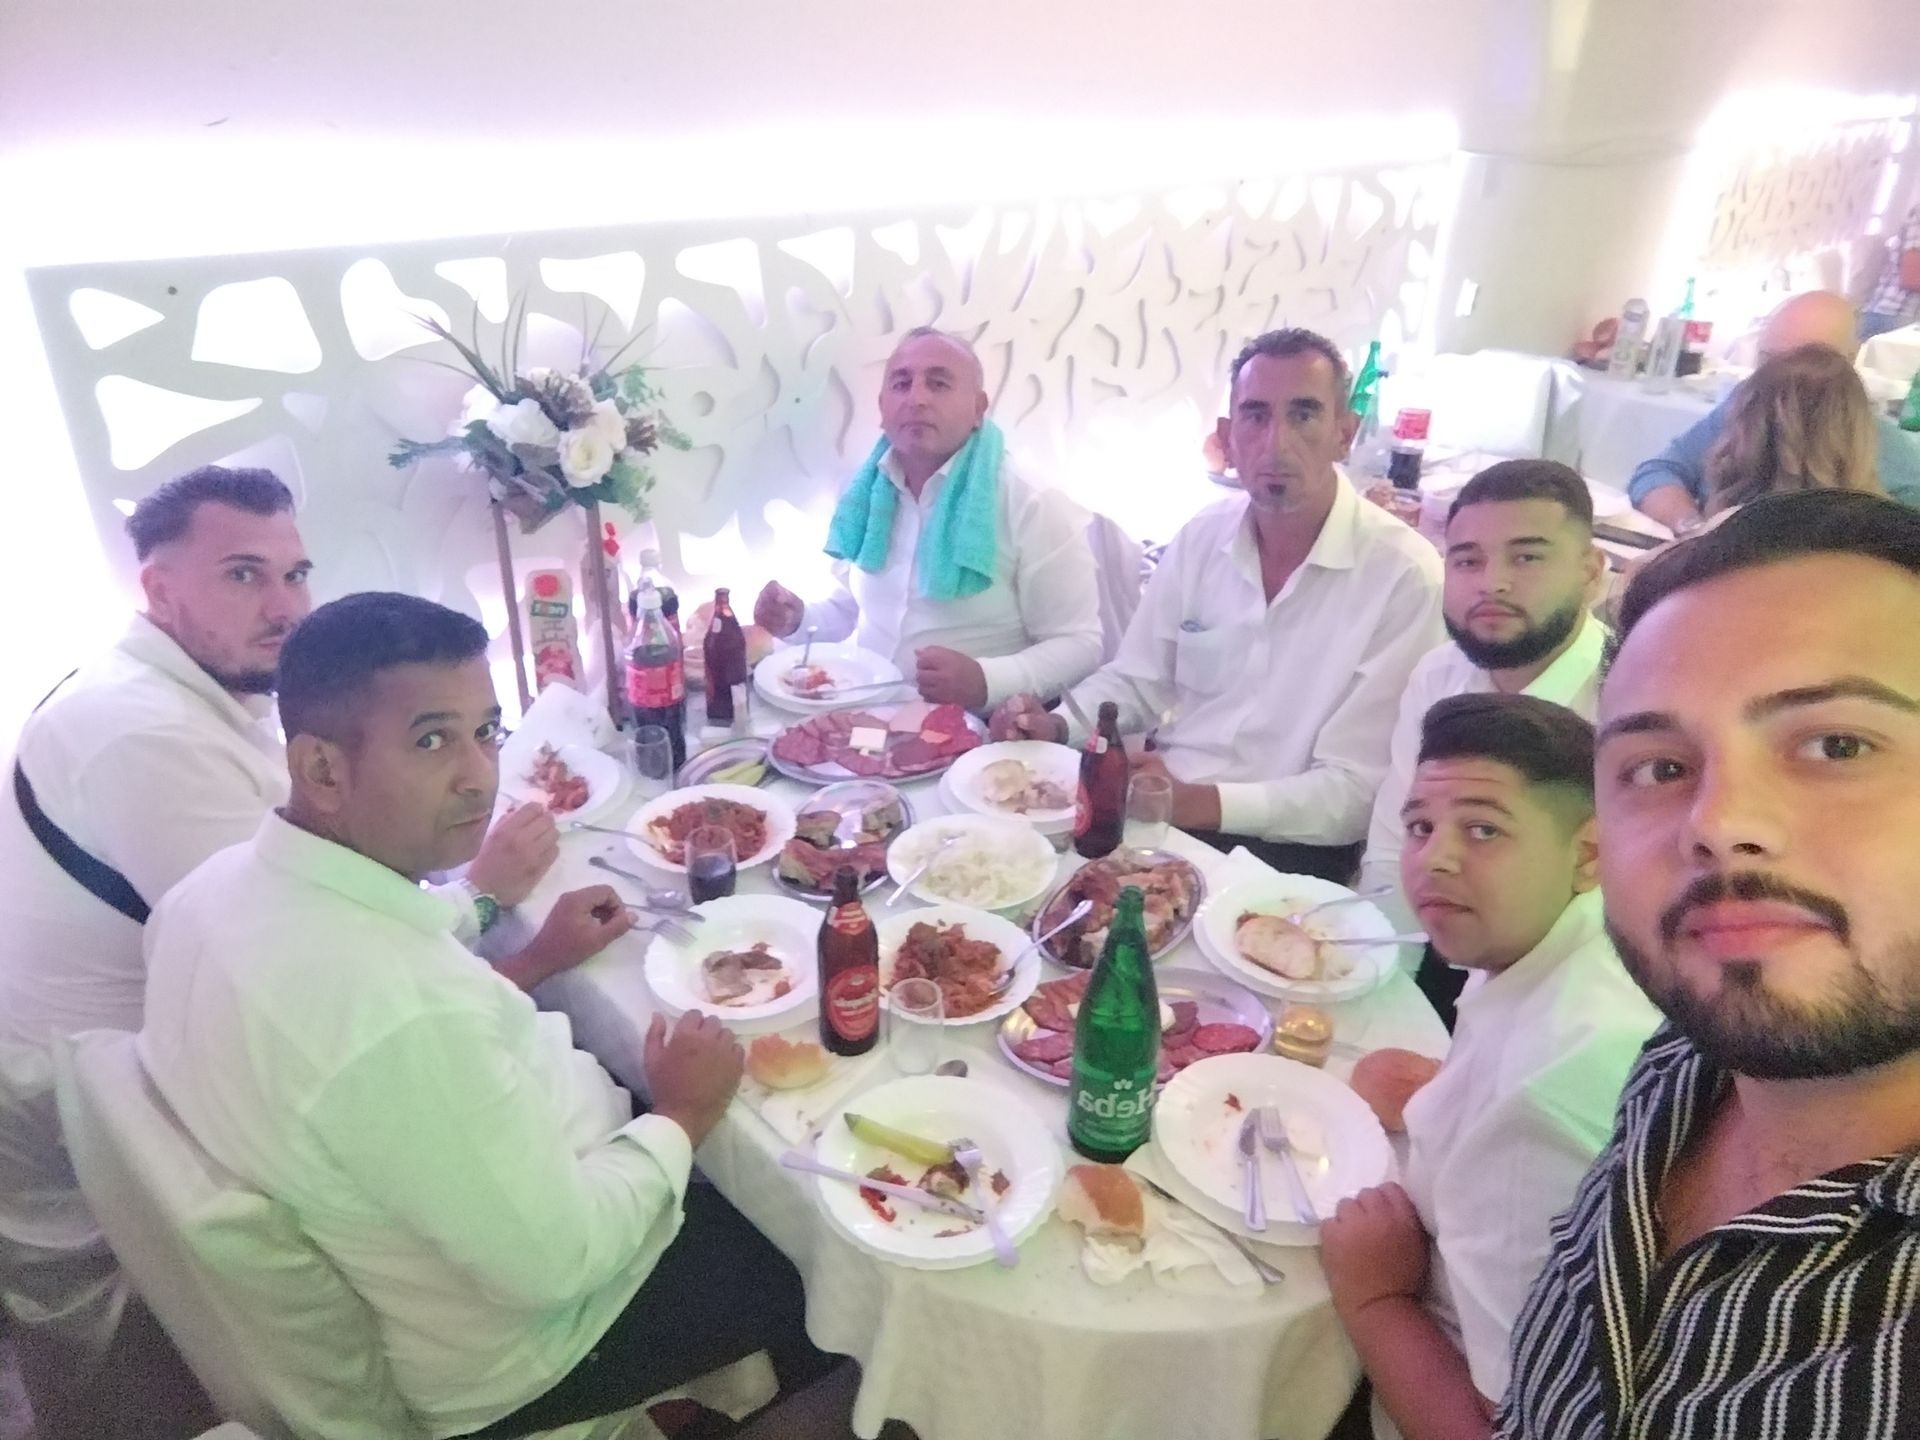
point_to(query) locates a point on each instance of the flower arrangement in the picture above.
(546, 438)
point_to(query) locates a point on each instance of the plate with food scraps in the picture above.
(909, 741)
(752, 964)
(1247, 930)
(732, 762)
(1201, 1014)
(1173, 889)
(761, 824)
(966, 952)
(1338, 1144)
(1020, 1163)
(1030, 780)
(572, 780)
(834, 675)
(991, 864)
(847, 824)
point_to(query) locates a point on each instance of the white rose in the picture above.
(608, 420)
(585, 456)
(477, 404)
(524, 423)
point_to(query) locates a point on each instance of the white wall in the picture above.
(132, 130)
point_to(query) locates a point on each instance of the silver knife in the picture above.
(1256, 1213)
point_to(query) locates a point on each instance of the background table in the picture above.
(1894, 357)
(1604, 427)
(982, 1354)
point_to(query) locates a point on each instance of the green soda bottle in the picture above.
(1116, 1043)
(1367, 383)
(1910, 412)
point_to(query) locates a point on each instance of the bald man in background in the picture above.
(1672, 487)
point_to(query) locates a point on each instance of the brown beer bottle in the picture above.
(725, 652)
(1100, 809)
(849, 971)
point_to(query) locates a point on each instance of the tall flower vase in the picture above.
(510, 592)
(602, 604)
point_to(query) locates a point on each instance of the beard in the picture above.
(245, 682)
(1862, 1022)
(1534, 643)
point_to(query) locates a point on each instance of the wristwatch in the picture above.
(486, 909)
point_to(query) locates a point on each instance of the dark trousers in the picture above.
(1338, 863)
(721, 1292)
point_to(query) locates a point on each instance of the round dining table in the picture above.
(983, 1353)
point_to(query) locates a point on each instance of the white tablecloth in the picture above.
(1604, 427)
(1893, 357)
(982, 1354)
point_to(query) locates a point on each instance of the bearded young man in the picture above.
(1744, 1258)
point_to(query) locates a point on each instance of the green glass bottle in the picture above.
(1116, 1043)
(1910, 412)
(1685, 312)
(1367, 383)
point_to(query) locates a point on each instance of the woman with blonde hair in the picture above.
(1802, 421)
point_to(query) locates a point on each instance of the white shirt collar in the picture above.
(1579, 924)
(1573, 670)
(351, 875)
(1336, 547)
(150, 645)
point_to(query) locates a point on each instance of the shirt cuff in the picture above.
(466, 922)
(1006, 677)
(669, 1146)
(1244, 808)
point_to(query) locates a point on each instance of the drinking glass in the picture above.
(650, 757)
(915, 1028)
(1150, 808)
(711, 863)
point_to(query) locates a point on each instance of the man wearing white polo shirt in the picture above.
(1276, 636)
(1521, 573)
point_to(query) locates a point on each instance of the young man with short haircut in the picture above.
(1501, 867)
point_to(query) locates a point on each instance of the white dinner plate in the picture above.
(1028, 859)
(1011, 1137)
(1006, 937)
(1338, 1144)
(791, 932)
(778, 812)
(606, 780)
(1058, 763)
(851, 668)
(1286, 895)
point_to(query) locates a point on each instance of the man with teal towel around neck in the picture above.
(976, 582)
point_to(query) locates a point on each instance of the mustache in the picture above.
(1751, 885)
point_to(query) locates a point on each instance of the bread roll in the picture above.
(1275, 943)
(781, 1064)
(1103, 1200)
(1387, 1079)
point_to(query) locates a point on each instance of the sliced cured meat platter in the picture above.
(910, 741)
(1202, 1014)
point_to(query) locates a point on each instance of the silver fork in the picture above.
(1273, 1134)
(921, 869)
(661, 924)
(967, 1155)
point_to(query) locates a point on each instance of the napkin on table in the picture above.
(796, 1115)
(1181, 1251)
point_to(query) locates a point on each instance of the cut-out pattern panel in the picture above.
(1779, 205)
(1105, 327)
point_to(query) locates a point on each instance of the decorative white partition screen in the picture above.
(1105, 327)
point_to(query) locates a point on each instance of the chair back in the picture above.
(271, 1328)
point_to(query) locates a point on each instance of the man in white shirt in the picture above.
(141, 765)
(1028, 620)
(1274, 640)
(1521, 572)
(317, 1028)
(1501, 866)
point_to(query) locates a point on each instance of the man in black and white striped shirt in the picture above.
(1744, 1259)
